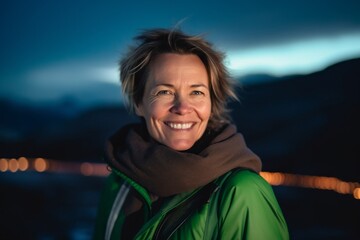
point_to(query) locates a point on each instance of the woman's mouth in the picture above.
(179, 126)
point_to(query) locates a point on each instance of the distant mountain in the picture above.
(303, 124)
(41, 132)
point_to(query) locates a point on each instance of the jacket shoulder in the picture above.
(248, 189)
(248, 203)
(245, 181)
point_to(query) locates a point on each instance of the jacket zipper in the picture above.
(160, 226)
(204, 197)
(163, 212)
(117, 205)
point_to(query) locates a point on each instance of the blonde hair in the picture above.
(134, 68)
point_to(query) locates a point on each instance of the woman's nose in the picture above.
(181, 106)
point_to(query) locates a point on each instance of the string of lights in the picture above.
(40, 165)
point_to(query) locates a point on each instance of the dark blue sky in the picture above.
(54, 48)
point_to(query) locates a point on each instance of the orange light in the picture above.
(266, 176)
(273, 178)
(343, 187)
(278, 178)
(86, 169)
(100, 169)
(40, 165)
(309, 181)
(290, 179)
(23, 164)
(13, 165)
(316, 182)
(320, 182)
(357, 193)
(4, 165)
(330, 183)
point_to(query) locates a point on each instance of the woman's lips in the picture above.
(180, 126)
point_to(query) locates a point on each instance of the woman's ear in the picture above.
(139, 110)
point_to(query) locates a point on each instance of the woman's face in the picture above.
(176, 104)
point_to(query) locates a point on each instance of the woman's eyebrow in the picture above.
(164, 84)
(172, 86)
(199, 85)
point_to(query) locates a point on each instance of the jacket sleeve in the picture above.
(249, 210)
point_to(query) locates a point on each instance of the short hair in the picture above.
(151, 43)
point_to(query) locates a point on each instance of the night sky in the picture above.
(55, 49)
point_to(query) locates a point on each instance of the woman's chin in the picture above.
(180, 145)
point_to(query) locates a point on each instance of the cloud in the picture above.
(84, 80)
(301, 57)
(76, 73)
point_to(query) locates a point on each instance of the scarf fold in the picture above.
(165, 172)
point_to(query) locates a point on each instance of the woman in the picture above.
(183, 172)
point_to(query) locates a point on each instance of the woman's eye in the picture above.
(197, 93)
(164, 92)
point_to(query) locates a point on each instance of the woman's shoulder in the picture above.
(245, 182)
(246, 190)
(243, 177)
(246, 203)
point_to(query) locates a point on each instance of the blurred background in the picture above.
(298, 65)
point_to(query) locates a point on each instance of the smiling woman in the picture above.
(184, 172)
(176, 105)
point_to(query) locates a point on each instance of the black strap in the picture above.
(178, 216)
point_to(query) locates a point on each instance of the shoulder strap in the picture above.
(178, 216)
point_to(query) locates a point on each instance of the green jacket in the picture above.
(244, 207)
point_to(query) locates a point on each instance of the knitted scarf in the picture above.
(165, 172)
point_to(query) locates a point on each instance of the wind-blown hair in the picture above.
(134, 68)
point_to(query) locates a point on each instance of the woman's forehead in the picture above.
(168, 67)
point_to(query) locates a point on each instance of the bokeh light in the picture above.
(86, 169)
(13, 165)
(40, 164)
(4, 166)
(357, 193)
(23, 164)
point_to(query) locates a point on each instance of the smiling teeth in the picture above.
(180, 125)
